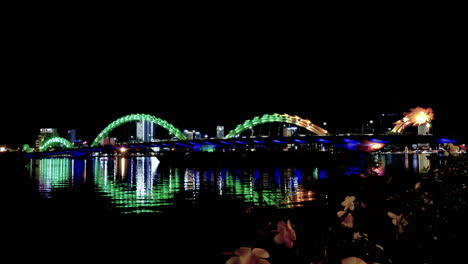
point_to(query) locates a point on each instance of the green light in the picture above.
(56, 141)
(27, 148)
(53, 174)
(138, 117)
(285, 118)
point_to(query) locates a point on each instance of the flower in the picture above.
(398, 220)
(348, 221)
(286, 234)
(348, 203)
(357, 235)
(417, 185)
(246, 255)
(352, 260)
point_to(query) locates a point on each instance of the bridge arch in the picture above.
(284, 118)
(56, 141)
(138, 117)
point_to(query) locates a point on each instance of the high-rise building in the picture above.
(145, 131)
(72, 135)
(219, 131)
(44, 135)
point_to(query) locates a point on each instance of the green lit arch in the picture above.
(56, 141)
(284, 118)
(27, 148)
(138, 117)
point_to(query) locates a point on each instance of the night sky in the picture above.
(197, 77)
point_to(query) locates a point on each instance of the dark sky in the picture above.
(197, 76)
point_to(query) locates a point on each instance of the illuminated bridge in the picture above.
(318, 138)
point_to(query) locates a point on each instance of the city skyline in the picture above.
(338, 114)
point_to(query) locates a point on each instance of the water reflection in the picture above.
(140, 184)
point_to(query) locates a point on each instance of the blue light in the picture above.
(278, 141)
(155, 145)
(350, 141)
(180, 144)
(208, 143)
(321, 140)
(258, 142)
(196, 144)
(376, 140)
(445, 140)
(300, 141)
(224, 142)
(241, 142)
(167, 145)
(322, 174)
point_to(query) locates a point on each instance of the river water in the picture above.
(135, 185)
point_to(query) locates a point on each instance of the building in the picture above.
(72, 135)
(44, 135)
(289, 131)
(219, 131)
(423, 129)
(189, 134)
(145, 131)
(108, 141)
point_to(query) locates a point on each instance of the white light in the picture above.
(3, 149)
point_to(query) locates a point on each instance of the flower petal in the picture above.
(279, 239)
(348, 221)
(352, 260)
(243, 251)
(263, 261)
(340, 213)
(281, 225)
(233, 260)
(289, 243)
(260, 253)
(292, 234)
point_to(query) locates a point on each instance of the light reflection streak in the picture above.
(135, 185)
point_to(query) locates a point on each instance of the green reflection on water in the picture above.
(135, 185)
(53, 173)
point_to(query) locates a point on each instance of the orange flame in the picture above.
(417, 116)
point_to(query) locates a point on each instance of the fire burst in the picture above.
(417, 116)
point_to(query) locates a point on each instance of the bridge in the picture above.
(318, 139)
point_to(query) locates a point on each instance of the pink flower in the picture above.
(286, 234)
(348, 221)
(246, 255)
